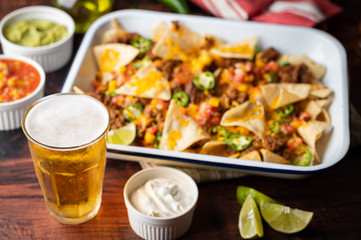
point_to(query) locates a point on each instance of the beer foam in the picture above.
(67, 120)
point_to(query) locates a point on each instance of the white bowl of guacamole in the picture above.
(42, 33)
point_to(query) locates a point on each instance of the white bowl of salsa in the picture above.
(22, 82)
(51, 56)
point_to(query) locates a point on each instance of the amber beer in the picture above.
(67, 140)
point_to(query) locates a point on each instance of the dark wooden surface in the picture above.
(334, 195)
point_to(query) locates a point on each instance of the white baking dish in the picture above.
(318, 45)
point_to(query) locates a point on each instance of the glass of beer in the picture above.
(67, 134)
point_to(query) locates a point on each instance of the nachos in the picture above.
(193, 92)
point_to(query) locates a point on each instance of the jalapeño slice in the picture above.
(238, 142)
(204, 81)
(143, 44)
(221, 131)
(301, 156)
(157, 139)
(275, 126)
(283, 63)
(272, 77)
(284, 112)
(181, 98)
(133, 111)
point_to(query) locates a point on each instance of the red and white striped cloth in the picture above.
(290, 12)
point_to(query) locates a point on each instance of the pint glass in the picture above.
(67, 139)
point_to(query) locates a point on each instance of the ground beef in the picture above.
(268, 55)
(117, 119)
(127, 38)
(276, 145)
(236, 95)
(296, 74)
(167, 67)
(196, 96)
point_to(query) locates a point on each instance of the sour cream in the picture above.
(161, 197)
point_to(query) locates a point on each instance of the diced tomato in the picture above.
(215, 121)
(305, 116)
(294, 142)
(239, 76)
(118, 100)
(286, 129)
(248, 67)
(152, 129)
(272, 66)
(95, 85)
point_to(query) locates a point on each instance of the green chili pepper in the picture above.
(181, 98)
(284, 112)
(301, 156)
(141, 63)
(272, 77)
(178, 6)
(133, 111)
(283, 63)
(275, 126)
(114, 94)
(238, 142)
(157, 139)
(204, 81)
(221, 131)
(143, 44)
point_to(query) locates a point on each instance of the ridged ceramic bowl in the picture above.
(51, 57)
(165, 228)
(11, 113)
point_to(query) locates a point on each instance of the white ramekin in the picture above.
(155, 228)
(51, 57)
(12, 113)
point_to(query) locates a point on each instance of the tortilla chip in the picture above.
(147, 82)
(271, 157)
(320, 92)
(254, 156)
(324, 103)
(248, 115)
(312, 131)
(315, 158)
(312, 108)
(171, 42)
(214, 148)
(114, 32)
(318, 70)
(280, 94)
(243, 49)
(180, 131)
(209, 41)
(110, 57)
(324, 116)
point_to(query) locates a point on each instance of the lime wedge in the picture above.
(250, 222)
(243, 192)
(124, 135)
(285, 219)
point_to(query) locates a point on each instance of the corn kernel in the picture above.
(243, 87)
(149, 138)
(214, 102)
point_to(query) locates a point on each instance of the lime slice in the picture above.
(243, 192)
(124, 135)
(250, 222)
(285, 219)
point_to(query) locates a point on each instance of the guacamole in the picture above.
(35, 33)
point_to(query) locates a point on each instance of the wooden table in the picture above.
(334, 195)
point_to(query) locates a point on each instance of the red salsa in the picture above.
(17, 79)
